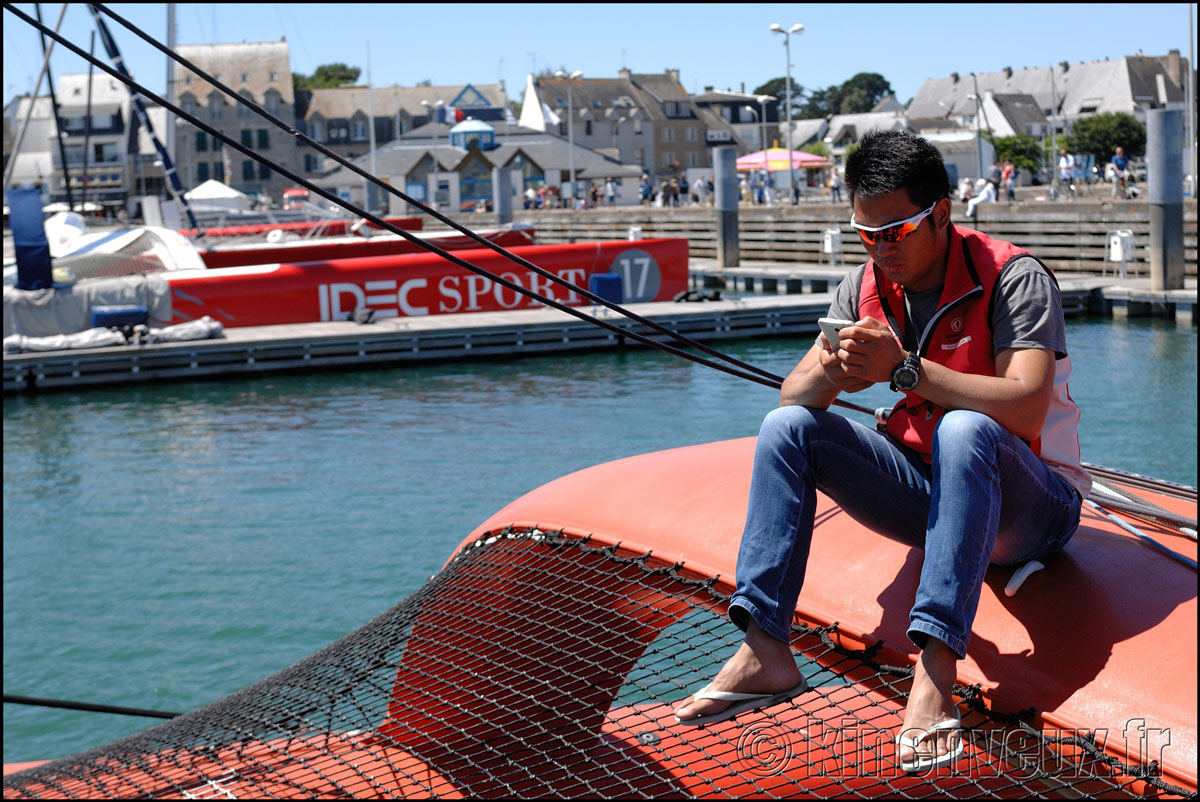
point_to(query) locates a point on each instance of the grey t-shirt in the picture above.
(1027, 313)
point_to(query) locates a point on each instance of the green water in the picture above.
(166, 546)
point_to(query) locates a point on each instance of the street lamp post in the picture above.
(787, 44)
(978, 143)
(758, 119)
(437, 182)
(570, 130)
(617, 125)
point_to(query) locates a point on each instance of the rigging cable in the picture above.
(386, 187)
(87, 706)
(110, 46)
(769, 381)
(760, 376)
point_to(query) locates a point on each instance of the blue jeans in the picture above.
(986, 498)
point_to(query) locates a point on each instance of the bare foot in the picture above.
(761, 664)
(930, 702)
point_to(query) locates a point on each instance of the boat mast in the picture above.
(369, 190)
(110, 45)
(62, 148)
(87, 128)
(12, 159)
(171, 94)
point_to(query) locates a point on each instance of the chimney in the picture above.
(674, 75)
(624, 73)
(954, 77)
(1008, 72)
(1066, 65)
(708, 89)
(1175, 67)
(743, 87)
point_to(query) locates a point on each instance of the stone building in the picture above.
(260, 71)
(643, 119)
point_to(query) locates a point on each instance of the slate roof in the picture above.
(725, 97)
(806, 131)
(662, 86)
(107, 92)
(855, 125)
(1020, 111)
(387, 101)
(546, 150)
(596, 98)
(1080, 89)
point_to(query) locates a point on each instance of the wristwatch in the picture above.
(906, 374)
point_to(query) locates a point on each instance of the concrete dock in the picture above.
(259, 350)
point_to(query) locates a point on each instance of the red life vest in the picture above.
(959, 335)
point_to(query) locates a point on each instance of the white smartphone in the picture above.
(830, 326)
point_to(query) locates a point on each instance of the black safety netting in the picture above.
(538, 665)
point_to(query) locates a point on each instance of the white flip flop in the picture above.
(742, 703)
(922, 764)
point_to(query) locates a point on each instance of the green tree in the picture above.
(777, 88)
(1102, 134)
(862, 92)
(823, 102)
(817, 148)
(1025, 151)
(326, 76)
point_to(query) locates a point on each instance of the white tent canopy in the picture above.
(213, 195)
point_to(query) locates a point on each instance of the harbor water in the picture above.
(167, 545)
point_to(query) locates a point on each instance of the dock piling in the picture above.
(1164, 174)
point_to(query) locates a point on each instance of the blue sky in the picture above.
(721, 45)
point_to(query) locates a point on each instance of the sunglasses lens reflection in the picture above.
(897, 233)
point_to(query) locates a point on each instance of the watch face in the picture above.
(906, 378)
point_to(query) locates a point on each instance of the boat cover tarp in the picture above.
(67, 309)
(201, 329)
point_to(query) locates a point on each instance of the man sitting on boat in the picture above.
(979, 462)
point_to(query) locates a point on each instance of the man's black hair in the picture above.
(886, 161)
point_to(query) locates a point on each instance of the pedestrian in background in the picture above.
(994, 173)
(1120, 163)
(1066, 172)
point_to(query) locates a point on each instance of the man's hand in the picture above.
(836, 373)
(869, 351)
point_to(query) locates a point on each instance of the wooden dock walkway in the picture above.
(399, 341)
(799, 296)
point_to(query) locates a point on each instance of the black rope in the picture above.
(88, 706)
(773, 382)
(296, 133)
